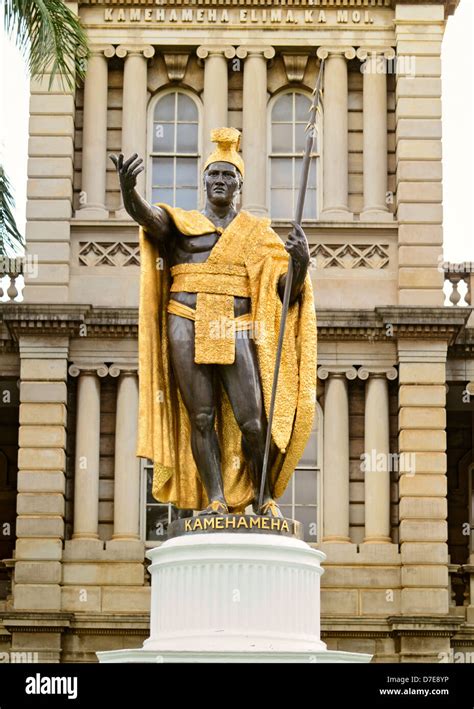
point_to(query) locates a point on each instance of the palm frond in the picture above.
(50, 37)
(10, 238)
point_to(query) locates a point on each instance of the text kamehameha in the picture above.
(237, 522)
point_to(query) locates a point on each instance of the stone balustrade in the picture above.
(459, 283)
(11, 279)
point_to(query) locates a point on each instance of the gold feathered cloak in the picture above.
(164, 434)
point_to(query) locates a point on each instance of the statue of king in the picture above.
(211, 292)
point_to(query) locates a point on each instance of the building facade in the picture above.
(385, 486)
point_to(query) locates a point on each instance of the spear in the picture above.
(311, 133)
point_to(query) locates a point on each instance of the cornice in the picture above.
(350, 627)
(115, 322)
(68, 320)
(392, 626)
(429, 323)
(382, 324)
(78, 624)
(23, 319)
(450, 5)
(283, 3)
(391, 323)
(115, 629)
(465, 340)
(36, 622)
(419, 625)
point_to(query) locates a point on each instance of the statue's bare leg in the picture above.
(196, 384)
(242, 383)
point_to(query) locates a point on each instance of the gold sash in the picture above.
(215, 285)
(241, 323)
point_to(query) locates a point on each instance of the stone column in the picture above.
(86, 470)
(335, 134)
(215, 91)
(254, 127)
(94, 136)
(134, 119)
(375, 133)
(336, 453)
(377, 453)
(127, 471)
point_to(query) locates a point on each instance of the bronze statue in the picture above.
(210, 306)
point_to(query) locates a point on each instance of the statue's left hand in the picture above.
(297, 247)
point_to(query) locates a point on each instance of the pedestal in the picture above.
(227, 597)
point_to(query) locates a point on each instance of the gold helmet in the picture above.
(228, 143)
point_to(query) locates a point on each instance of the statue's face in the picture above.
(222, 181)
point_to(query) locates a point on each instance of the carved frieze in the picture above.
(106, 253)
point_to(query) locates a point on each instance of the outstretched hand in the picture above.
(128, 171)
(297, 247)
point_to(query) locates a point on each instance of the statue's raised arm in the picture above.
(154, 219)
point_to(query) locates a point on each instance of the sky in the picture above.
(458, 122)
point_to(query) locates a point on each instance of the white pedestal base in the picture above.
(234, 598)
(141, 656)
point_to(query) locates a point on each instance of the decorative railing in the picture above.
(11, 279)
(8, 288)
(459, 283)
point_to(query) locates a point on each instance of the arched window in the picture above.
(174, 150)
(303, 496)
(289, 113)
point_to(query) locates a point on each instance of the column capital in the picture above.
(89, 368)
(390, 373)
(263, 51)
(98, 50)
(124, 50)
(205, 51)
(326, 52)
(336, 370)
(364, 53)
(124, 370)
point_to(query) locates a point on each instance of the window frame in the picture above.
(150, 154)
(319, 468)
(318, 156)
(149, 543)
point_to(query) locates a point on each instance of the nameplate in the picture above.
(235, 524)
